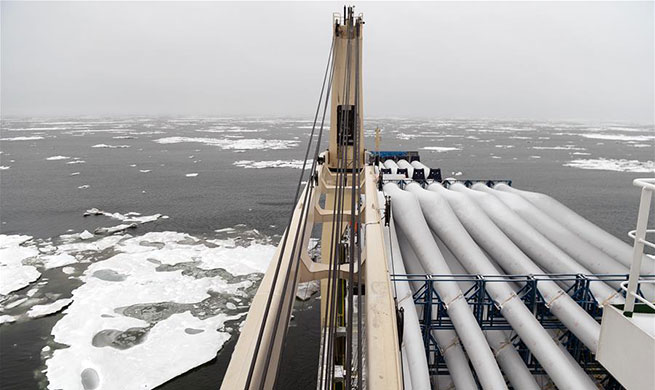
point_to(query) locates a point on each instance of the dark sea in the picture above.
(225, 186)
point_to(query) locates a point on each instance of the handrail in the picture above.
(624, 287)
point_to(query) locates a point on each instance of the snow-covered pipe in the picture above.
(409, 218)
(449, 343)
(506, 355)
(513, 261)
(443, 221)
(582, 251)
(390, 164)
(546, 254)
(619, 250)
(410, 169)
(412, 338)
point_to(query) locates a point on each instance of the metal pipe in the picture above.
(546, 254)
(506, 355)
(420, 165)
(443, 221)
(619, 250)
(579, 249)
(449, 343)
(410, 169)
(409, 218)
(390, 164)
(412, 338)
(513, 261)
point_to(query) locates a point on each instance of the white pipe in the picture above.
(390, 164)
(409, 218)
(410, 169)
(412, 337)
(449, 343)
(407, 376)
(420, 165)
(619, 250)
(582, 251)
(443, 221)
(546, 254)
(506, 355)
(514, 261)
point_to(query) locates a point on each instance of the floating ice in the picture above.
(307, 289)
(4, 167)
(127, 217)
(6, 319)
(297, 164)
(618, 137)
(55, 158)
(565, 147)
(105, 146)
(621, 165)
(16, 275)
(43, 310)
(57, 260)
(32, 138)
(75, 173)
(84, 187)
(227, 143)
(76, 162)
(115, 229)
(191, 175)
(85, 235)
(151, 300)
(440, 148)
(144, 170)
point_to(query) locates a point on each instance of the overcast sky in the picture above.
(587, 61)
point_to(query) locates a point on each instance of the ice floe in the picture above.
(618, 137)
(132, 216)
(37, 311)
(6, 319)
(4, 167)
(76, 162)
(56, 158)
(57, 260)
(191, 174)
(228, 143)
(32, 138)
(164, 294)
(296, 164)
(105, 146)
(84, 187)
(440, 148)
(15, 274)
(619, 165)
(565, 147)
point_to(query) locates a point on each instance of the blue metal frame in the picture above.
(489, 317)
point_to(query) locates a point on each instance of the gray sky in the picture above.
(589, 61)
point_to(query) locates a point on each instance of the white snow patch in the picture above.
(68, 270)
(43, 310)
(620, 165)
(296, 164)
(6, 319)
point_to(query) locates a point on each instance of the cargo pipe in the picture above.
(443, 221)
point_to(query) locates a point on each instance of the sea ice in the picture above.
(621, 165)
(32, 138)
(227, 143)
(162, 319)
(43, 310)
(297, 164)
(440, 148)
(307, 289)
(619, 137)
(6, 319)
(191, 175)
(55, 158)
(105, 146)
(57, 260)
(16, 275)
(4, 167)
(115, 229)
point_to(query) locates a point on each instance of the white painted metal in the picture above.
(449, 343)
(410, 169)
(647, 188)
(443, 221)
(546, 254)
(420, 165)
(417, 363)
(619, 250)
(627, 348)
(507, 356)
(390, 164)
(409, 218)
(514, 261)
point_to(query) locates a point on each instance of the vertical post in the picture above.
(638, 251)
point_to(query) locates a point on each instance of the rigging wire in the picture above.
(286, 232)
